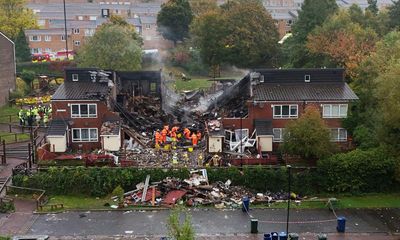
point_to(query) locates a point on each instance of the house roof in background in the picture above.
(303, 92)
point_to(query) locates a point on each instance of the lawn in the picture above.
(10, 137)
(366, 201)
(5, 111)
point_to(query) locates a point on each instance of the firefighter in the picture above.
(186, 133)
(194, 139)
(164, 134)
(157, 139)
(198, 135)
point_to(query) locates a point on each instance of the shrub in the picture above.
(358, 171)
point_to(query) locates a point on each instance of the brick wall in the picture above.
(7, 69)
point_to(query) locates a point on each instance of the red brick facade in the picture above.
(62, 110)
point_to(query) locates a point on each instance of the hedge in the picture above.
(359, 171)
(356, 171)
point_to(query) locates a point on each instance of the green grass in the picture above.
(10, 137)
(7, 110)
(193, 84)
(365, 201)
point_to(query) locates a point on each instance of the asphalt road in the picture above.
(215, 222)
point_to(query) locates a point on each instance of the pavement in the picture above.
(378, 224)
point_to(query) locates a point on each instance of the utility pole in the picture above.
(241, 138)
(65, 30)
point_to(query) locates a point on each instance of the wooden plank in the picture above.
(146, 186)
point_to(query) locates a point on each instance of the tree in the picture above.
(200, 7)
(241, 33)
(308, 136)
(253, 38)
(372, 7)
(388, 94)
(22, 51)
(209, 33)
(394, 15)
(14, 17)
(28, 76)
(178, 230)
(312, 14)
(343, 41)
(115, 45)
(174, 19)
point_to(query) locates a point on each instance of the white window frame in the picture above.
(77, 43)
(335, 132)
(38, 38)
(90, 139)
(307, 78)
(340, 112)
(281, 133)
(92, 18)
(76, 30)
(47, 38)
(63, 37)
(281, 116)
(48, 50)
(79, 115)
(75, 77)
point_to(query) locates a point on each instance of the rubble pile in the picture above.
(166, 159)
(110, 128)
(147, 113)
(196, 191)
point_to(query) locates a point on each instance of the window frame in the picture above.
(77, 43)
(281, 116)
(38, 38)
(281, 133)
(63, 37)
(330, 115)
(79, 114)
(337, 133)
(89, 139)
(75, 77)
(76, 31)
(47, 38)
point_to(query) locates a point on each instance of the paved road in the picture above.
(217, 222)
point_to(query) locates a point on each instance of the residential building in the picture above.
(84, 18)
(48, 40)
(7, 68)
(81, 110)
(277, 96)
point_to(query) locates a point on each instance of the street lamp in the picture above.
(288, 205)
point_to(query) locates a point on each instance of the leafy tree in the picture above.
(253, 38)
(308, 136)
(14, 16)
(178, 230)
(174, 19)
(372, 7)
(22, 51)
(394, 15)
(28, 76)
(200, 7)
(312, 14)
(241, 33)
(115, 45)
(345, 42)
(388, 94)
(209, 33)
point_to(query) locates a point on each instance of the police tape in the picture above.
(298, 222)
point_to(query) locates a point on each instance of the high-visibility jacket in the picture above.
(164, 133)
(186, 132)
(157, 138)
(194, 139)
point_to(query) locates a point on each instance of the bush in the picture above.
(358, 171)
(6, 207)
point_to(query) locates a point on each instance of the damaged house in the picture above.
(277, 96)
(87, 107)
(82, 118)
